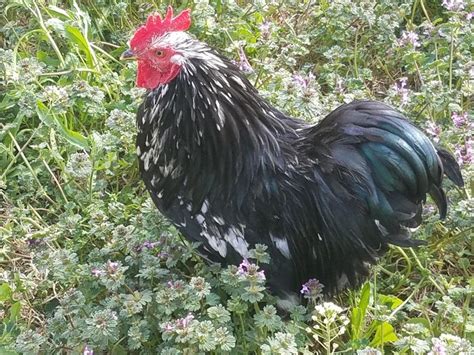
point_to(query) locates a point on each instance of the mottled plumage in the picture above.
(229, 170)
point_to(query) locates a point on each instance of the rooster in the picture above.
(231, 171)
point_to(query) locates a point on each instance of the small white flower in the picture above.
(454, 5)
(79, 165)
(409, 38)
(438, 347)
(280, 343)
(369, 351)
(55, 94)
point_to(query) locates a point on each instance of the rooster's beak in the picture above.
(128, 55)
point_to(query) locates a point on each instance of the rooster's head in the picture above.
(161, 47)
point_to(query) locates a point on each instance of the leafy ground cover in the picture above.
(87, 265)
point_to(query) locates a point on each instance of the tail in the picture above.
(451, 167)
(452, 171)
(380, 168)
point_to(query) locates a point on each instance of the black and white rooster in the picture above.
(230, 171)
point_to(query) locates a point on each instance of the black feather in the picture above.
(231, 171)
(451, 167)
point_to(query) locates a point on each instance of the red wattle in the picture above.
(149, 77)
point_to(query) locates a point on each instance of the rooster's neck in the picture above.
(208, 126)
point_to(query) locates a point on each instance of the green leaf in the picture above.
(5, 292)
(423, 321)
(4, 350)
(390, 301)
(212, 299)
(51, 121)
(356, 320)
(76, 36)
(246, 34)
(15, 311)
(384, 334)
(60, 12)
(358, 313)
(218, 7)
(364, 298)
(119, 350)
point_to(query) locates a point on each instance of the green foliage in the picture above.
(87, 263)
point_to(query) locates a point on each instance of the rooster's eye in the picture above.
(159, 53)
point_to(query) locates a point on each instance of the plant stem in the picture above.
(55, 180)
(356, 69)
(451, 58)
(243, 332)
(27, 163)
(435, 284)
(37, 13)
(425, 12)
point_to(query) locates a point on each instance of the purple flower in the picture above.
(459, 119)
(33, 242)
(429, 209)
(96, 272)
(438, 347)
(469, 16)
(184, 322)
(464, 152)
(248, 269)
(454, 5)
(168, 327)
(88, 350)
(428, 29)
(149, 245)
(265, 29)
(434, 130)
(401, 89)
(312, 289)
(162, 255)
(299, 80)
(176, 285)
(302, 81)
(178, 324)
(243, 63)
(243, 267)
(112, 267)
(409, 38)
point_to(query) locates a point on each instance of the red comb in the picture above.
(155, 26)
